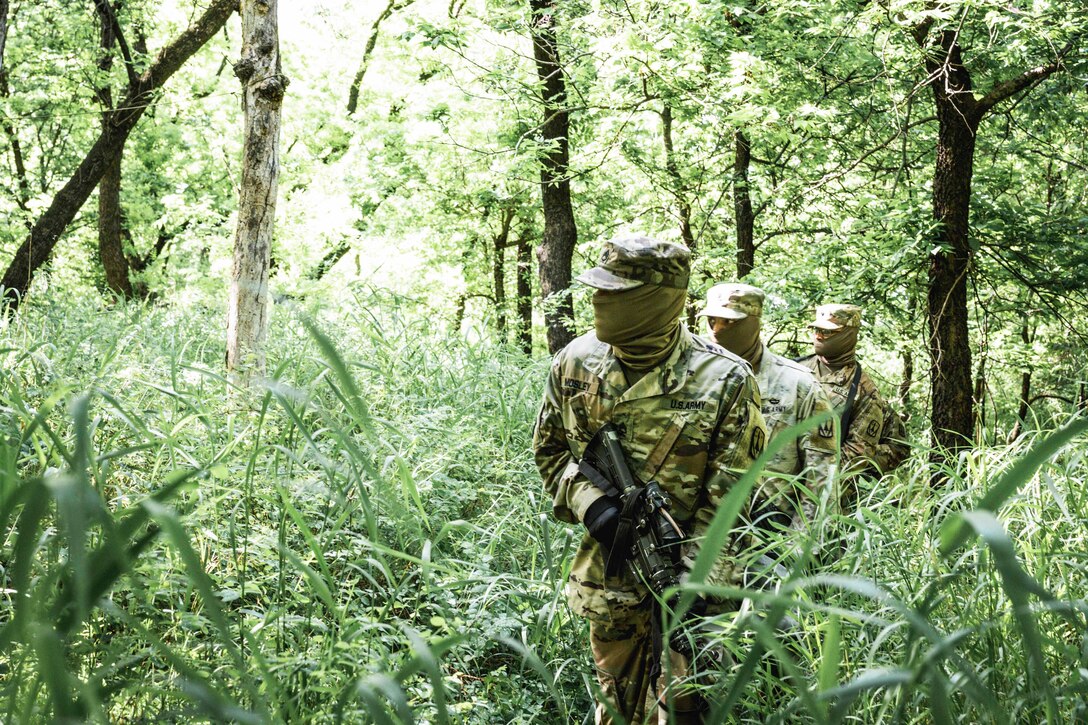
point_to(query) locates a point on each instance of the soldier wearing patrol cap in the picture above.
(790, 394)
(872, 435)
(688, 416)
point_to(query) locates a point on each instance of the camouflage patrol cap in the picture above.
(629, 263)
(836, 317)
(733, 301)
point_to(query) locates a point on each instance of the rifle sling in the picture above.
(598, 479)
(848, 411)
(624, 532)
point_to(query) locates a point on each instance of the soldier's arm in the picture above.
(893, 448)
(859, 448)
(818, 453)
(570, 492)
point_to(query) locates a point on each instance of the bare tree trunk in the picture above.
(949, 343)
(39, 244)
(980, 402)
(560, 232)
(906, 382)
(682, 204)
(498, 272)
(263, 87)
(959, 114)
(110, 250)
(1025, 390)
(525, 295)
(742, 207)
(22, 186)
(683, 207)
(4, 7)
(110, 231)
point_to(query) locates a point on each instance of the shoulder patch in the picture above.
(757, 443)
(826, 429)
(873, 428)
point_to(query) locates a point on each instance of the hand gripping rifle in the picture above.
(648, 539)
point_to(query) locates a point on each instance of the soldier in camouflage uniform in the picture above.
(688, 416)
(873, 436)
(790, 394)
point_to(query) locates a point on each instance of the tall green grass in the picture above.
(362, 537)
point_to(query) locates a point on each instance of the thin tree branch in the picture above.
(106, 13)
(1027, 79)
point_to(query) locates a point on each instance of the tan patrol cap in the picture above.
(836, 317)
(733, 301)
(629, 263)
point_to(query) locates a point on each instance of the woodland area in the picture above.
(281, 282)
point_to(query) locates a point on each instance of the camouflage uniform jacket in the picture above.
(691, 423)
(790, 395)
(876, 440)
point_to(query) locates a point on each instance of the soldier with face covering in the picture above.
(873, 436)
(790, 394)
(688, 417)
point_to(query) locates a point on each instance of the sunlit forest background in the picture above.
(357, 531)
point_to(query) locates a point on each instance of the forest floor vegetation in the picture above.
(363, 537)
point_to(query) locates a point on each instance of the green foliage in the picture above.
(363, 538)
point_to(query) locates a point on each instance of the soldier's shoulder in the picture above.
(866, 385)
(790, 365)
(703, 347)
(581, 350)
(709, 354)
(808, 362)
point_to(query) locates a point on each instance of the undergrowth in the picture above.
(363, 537)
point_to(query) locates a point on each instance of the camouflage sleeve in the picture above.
(570, 492)
(893, 448)
(740, 438)
(863, 436)
(818, 453)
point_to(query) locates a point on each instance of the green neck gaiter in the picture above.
(742, 338)
(642, 325)
(837, 351)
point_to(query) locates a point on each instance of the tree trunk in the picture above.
(1025, 390)
(22, 190)
(959, 114)
(952, 414)
(905, 383)
(683, 207)
(110, 247)
(110, 250)
(560, 232)
(39, 244)
(263, 86)
(742, 207)
(3, 31)
(498, 272)
(525, 295)
(979, 402)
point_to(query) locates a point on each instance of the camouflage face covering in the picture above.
(741, 337)
(642, 325)
(837, 349)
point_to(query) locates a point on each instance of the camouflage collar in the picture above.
(665, 378)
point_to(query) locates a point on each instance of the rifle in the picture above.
(648, 538)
